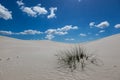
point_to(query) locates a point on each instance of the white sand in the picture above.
(36, 60)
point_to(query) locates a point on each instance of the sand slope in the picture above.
(36, 60)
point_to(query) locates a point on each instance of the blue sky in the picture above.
(59, 20)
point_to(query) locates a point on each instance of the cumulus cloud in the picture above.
(101, 25)
(29, 11)
(117, 26)
(6, 32)
(49, 36)
(51, 31)
(92, 24)
(82, 34)
(30, 32)
(67, 27)
(60, 31)
(5, 13)
(25, 32)
(33, 11)
(69, 39)
(20, 3)
(52, 12)
(101, 31)
(40, 10)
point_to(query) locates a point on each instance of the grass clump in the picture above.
(74, 58)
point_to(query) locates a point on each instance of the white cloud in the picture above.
(5, 13)
(49, 36)
(52, 12)
(101, 25)
(51, 31)
(92, 24)
(40, 10)
(6, 32)
(33, 11)
(25, 32)
(56, 32)
(69, 39)
(29, 32)
(20, 3)
(60, 31)
(82, 34)
(101, 31)
(29, 11)
(117, 26)
(67, 27)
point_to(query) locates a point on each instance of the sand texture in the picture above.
(36, 60)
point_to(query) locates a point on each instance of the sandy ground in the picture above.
(36, 60)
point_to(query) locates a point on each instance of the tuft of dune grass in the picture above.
(76, 57)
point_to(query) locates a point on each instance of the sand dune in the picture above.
(36, 60)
